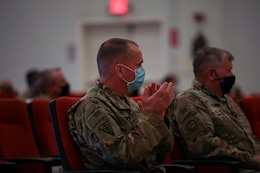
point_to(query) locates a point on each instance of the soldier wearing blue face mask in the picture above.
(138, 80)
(111, 130)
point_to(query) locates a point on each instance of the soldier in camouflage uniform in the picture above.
(209, 122)
(110, 128)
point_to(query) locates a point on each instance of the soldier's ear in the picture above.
(118, 69)
(211, 73)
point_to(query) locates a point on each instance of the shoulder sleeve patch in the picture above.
(106, 127)
(191, 125)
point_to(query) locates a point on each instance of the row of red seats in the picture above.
(28, 140)
(17, 142)
(32, 134)
(21, 122)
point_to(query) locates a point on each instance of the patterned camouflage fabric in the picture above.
(213, 126)
(112, 133)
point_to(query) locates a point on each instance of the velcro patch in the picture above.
(106, 127)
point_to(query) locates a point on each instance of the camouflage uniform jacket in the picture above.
(112, 133)
(213, 126)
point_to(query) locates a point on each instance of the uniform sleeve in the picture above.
(115, 142)
(198, 132)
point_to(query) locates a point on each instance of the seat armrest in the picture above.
(208, 162)
(48, 162)
(7, 167)
(100, 171)
(168, 168)
(234, 165)
(52, 156)
(179, 167)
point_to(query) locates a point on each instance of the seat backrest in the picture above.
(42, 126)
(16, 135)
(251, 107)
(177, 151)
(68, 149)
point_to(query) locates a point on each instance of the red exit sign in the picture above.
(118, 7)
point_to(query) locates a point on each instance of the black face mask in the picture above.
(65, 90)
(226, 83)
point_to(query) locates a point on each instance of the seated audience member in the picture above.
(237, 92)
(51, 84)
(174, 79)
(31, 77)
(7, 90)
(77, 93)
(208, 122)
(133, 93)
(110, 129)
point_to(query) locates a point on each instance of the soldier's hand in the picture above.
(157, 98)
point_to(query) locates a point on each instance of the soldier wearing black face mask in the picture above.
(61, 82)
(51, 84)
(226, 83)
(207, 120)
(65, 90)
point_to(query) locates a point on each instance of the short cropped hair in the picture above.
(111, 52)
(206, 57)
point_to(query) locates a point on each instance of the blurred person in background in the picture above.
(133, 93)
(51, 84)
(237, 93)
(175, 81)
(7, 90)
(31, 77)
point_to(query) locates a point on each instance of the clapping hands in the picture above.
(156, 98)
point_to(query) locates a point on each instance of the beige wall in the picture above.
(36, 33)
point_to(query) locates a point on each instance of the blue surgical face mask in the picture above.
(138, 80)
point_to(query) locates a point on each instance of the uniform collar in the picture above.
(121, 102)
(199, 86)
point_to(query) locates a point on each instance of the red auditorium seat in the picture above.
(251, 107)
(17, 141)
(42, 126)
